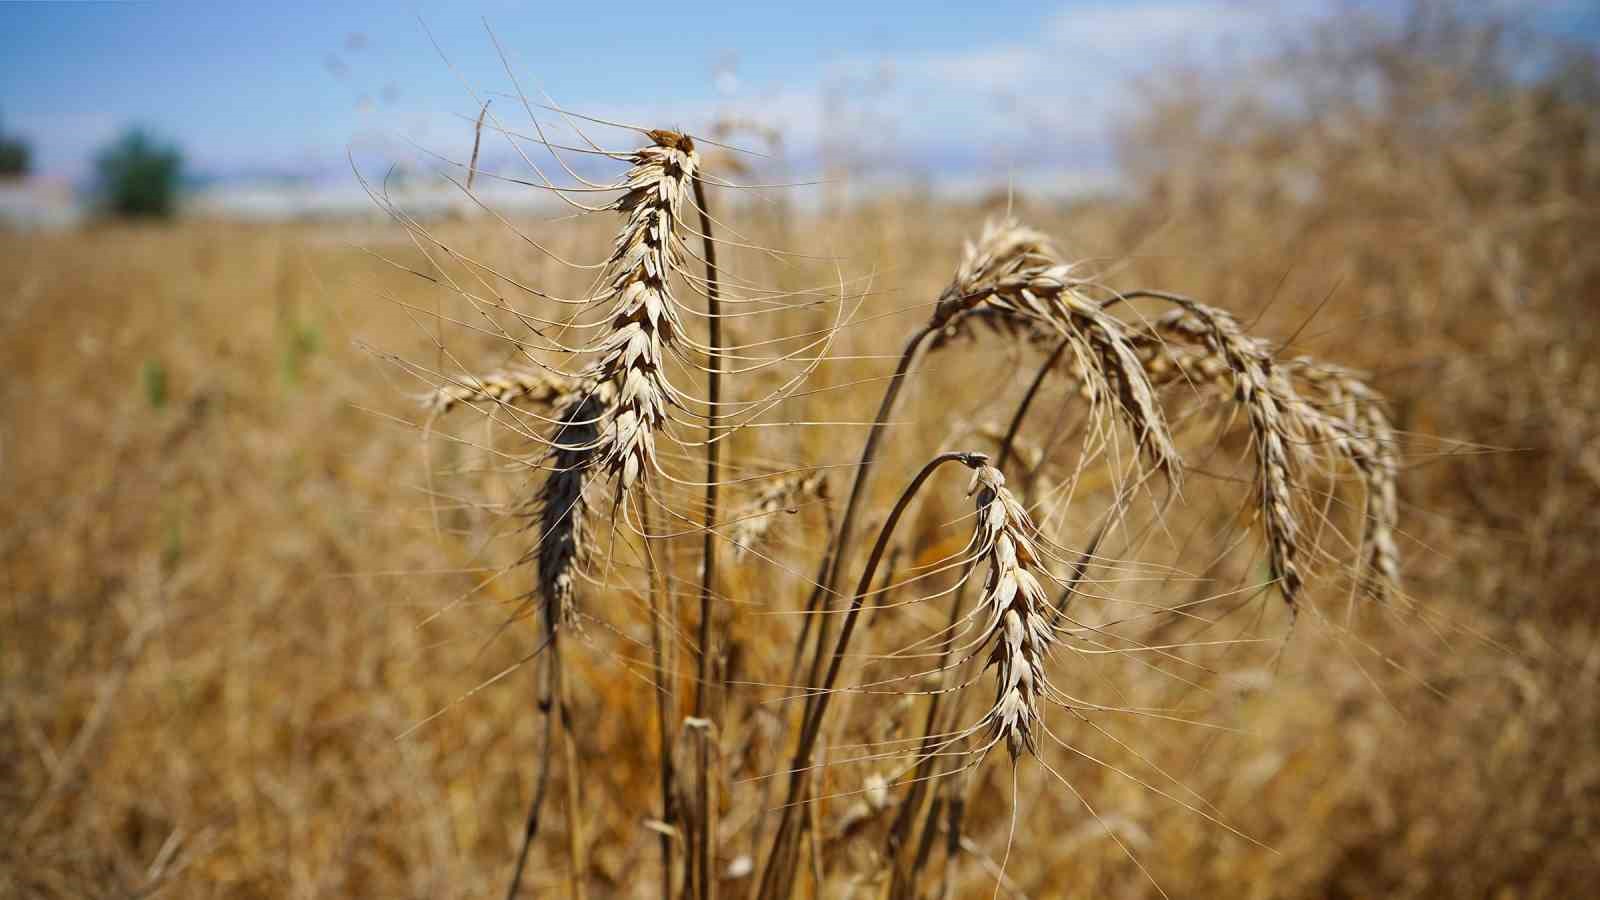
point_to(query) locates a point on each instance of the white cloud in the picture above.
(1133, 27)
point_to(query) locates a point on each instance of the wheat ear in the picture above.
(1346, 415)
(1012, 274)
(1017, 632)
(507, 386)
(644, 322)
(1270, 405)
(1350, 416)
(560, 504)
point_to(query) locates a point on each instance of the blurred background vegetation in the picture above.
(226, 597)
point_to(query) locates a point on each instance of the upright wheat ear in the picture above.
(644, 317)
(1016, 631)
(1013, 275)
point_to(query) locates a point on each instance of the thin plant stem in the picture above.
(858, 488)
(1027, 401)
(705, 860)
(776, 882)
(531, 829)
(664, 700)
(576, 866)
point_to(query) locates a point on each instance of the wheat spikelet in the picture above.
(1347, 416)
(753, 523)
(1012, 272)
(1016, 631)
(1350, 416)
(1004, 247)
(537, 386)
(561, 507)
(1270, 405)
(644, 321)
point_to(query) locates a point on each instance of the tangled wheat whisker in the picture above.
(754, 523)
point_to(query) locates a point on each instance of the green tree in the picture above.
(14, 155)
(138, 176)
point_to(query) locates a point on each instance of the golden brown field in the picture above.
(235, 582)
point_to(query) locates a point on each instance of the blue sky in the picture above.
(289, 86)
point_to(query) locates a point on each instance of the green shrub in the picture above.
(14, 157)
(138, 176)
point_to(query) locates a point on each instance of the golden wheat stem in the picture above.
(665, 694)
(576, 865)
(705, 856)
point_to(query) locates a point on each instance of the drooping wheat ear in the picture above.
(560, 504)
(1017, 631)
(754, 523)
(1004, 247)
(1013, 273)
(1271, 406)
(536, 386)
(1327, 405)
(1349, 415)
(644, 323)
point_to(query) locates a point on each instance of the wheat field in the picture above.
(332, 546)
